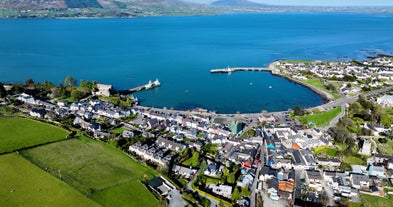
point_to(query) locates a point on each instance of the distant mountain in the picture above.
(32, 4)
(236, 3)
(64, 4)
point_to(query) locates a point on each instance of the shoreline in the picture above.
(327, 97)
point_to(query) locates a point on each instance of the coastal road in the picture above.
(346, 100)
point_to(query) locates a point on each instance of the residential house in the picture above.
(160, 186)
(103, 90)
(385, 100)
(245, 180)
(366, 148)
(314, 179)
(378, 171)
(183, 171)
(329, 162)
(39, 113)
(360, 181)
(170, 145)
(222, 190)
(212, 169)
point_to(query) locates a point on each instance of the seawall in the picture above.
(323, 94)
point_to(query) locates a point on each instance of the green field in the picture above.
(192, 161)
(322, 118)
(375, 201)
(24, 184)
(118, 130)
(138, 196)
(388, 111)
(17, 133)
(90, 166)
(386, 148)
(315, 82)
(354, 160)
(325, 151)
(319, 84)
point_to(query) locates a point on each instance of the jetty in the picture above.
(149, 85)
(234, 69)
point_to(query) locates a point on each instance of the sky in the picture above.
(316, 2)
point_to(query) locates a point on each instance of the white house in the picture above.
(385, 100)
(103, 90)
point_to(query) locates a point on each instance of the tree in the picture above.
(29, 82)
(17, 87)
(350, 142)
(386, 120)
(86, 85)
(3, 92)
(77, 94)
(340, 134)
(346, 122)
(70, 81)
(298, 111)
(331, 87)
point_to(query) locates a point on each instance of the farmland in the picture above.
(18, 133)
(91, 167)
(24, 184)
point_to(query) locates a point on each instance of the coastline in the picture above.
(327, 97)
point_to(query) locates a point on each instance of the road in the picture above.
(345, 100)
(253, 116)
(254, 190)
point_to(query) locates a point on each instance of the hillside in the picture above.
(32, 4)
(64, 4)
(236, 3)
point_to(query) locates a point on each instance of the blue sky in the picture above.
(317, 2)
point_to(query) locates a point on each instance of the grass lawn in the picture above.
(138, 196)
(117, 130)
(322, 118)
(17, 133)
(212, 180)
(386, 148)
(192, 161)
(315, 82)
(354, 160)
(24, 184)
(388, 111)
(375, 201)
(325, 151)
(89, 166)
(340, 145)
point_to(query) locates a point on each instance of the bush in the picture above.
(382, 140)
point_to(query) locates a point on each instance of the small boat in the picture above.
(270, 86)
(251, 84)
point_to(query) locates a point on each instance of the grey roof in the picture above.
(357, 178)
(298, 158)
(315, 175)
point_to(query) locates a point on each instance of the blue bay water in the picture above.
(180, 51)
